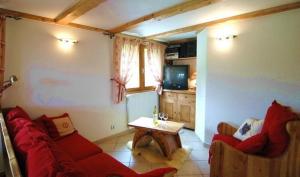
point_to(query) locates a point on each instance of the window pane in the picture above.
(134, 76)
(149, 79)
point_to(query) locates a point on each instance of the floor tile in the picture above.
(107, 147)
(199, 155)
(121, 156)
(141, 167)
(195, 166)
(189, 168)
(204, 167)
(125, 138)
(121, 147)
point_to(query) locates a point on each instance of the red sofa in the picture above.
(69, 156)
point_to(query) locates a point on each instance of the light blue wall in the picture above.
(262, 64)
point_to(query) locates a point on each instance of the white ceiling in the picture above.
(45, 8)
(112, 13)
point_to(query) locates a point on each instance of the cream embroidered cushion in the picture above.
(249, 128)
(59, 126)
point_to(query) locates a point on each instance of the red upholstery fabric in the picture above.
(254, 144)
(41, 124)
(102, 165)
(16, 112)
(274, 126)
(77, 146)
(226, 139)
(41, 162)
(27, 138)
(16, 124)
(46, 160)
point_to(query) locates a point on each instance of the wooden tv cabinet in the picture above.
(180, 105)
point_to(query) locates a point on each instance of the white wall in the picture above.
(260, 65)
(53, 81)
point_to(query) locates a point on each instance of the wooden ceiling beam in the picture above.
(201, 26)
(17, 14)
(77, 10)
(168, 12)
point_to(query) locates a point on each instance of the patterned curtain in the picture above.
(155, 59)
(125, 52)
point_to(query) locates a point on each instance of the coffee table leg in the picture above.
(141, 137)
(167, 142)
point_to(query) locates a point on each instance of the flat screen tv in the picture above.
(176, 77)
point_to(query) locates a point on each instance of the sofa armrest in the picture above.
(161, 172)
(226, 129)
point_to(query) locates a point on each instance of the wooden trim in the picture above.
(257, 13)
(171, 11)
(47, 20)
(77, 10)
(140, 90)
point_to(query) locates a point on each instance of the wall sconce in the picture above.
(68, 41)
(226, 37)
(8, 83)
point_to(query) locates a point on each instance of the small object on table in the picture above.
(167, 136)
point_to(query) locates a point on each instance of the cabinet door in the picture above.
(168, 104)
(186, 110)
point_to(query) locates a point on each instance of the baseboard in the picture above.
(114, 136)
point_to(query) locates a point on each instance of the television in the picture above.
(176, 77)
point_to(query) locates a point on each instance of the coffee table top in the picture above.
(164, 126)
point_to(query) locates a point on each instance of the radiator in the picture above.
(141, 104)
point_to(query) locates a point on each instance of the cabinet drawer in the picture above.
(186, 97)
(169, 95)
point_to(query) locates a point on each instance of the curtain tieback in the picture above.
(121, 83)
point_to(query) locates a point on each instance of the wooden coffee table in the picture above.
(165, 134)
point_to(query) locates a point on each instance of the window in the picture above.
(141, 78)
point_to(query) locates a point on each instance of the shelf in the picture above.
(188, 58)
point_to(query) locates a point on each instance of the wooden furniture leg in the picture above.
(141, 138)
(168, 143)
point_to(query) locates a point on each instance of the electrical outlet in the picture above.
(112, 127)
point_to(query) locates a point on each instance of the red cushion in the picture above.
(40, 123)
(27, 138)
(274, 126)
(16, 112)
(51, 127)
(46, 160)
(16, 124)
(102, 165)
(41, 162)
(77, 146)
(254, 144)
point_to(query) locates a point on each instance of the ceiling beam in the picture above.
(77, 10)
(168, 12)
(12, 13)
(253, 14)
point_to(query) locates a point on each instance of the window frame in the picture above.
(142, 87)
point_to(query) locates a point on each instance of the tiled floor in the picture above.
(195, 166)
